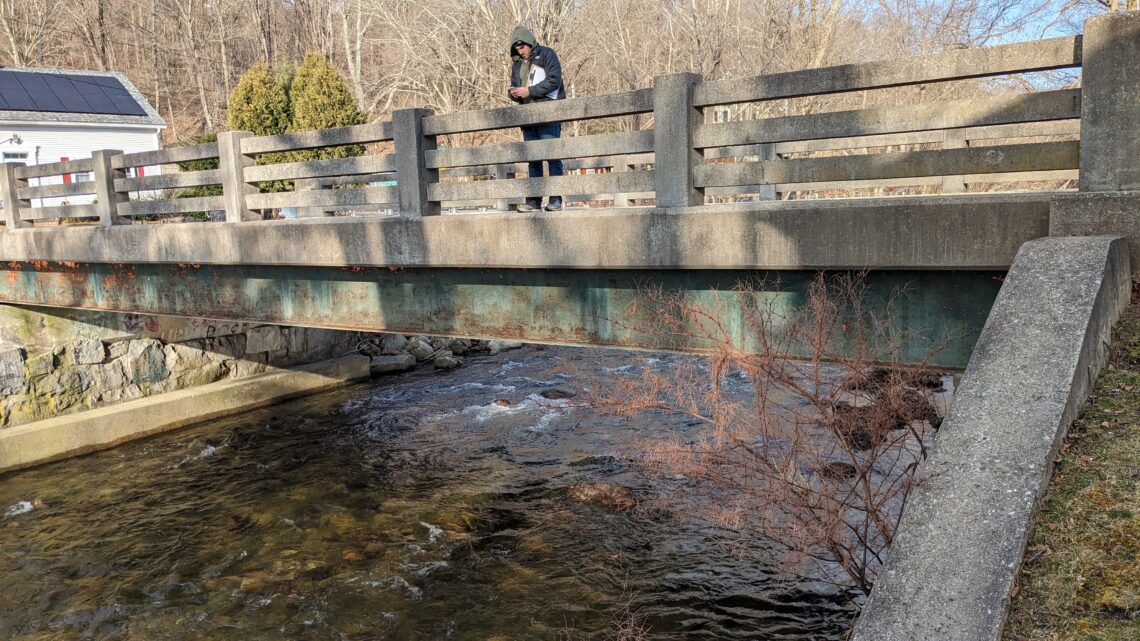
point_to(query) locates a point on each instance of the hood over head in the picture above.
(521, 34)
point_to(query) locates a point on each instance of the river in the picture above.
(418, 506)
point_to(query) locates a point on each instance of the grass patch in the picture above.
(1081, 578)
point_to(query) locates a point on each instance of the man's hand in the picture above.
(520, 92)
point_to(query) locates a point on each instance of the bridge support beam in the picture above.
(940, 312)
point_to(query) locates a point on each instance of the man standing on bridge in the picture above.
(536, 76)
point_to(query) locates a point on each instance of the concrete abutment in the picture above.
(959, 547)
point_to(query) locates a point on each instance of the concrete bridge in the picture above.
(577, 277)
(567, 277)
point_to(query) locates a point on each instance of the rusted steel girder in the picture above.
(939, 309)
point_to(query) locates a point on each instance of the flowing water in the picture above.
(421, 506)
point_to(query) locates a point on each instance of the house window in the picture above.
(83, 176)
(13, 156)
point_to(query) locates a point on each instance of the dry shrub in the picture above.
(820, 457)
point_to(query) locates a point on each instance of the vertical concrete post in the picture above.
(304, 185)
(9, 191)
(412, 173)
(1110, 103)
(503, 173)
(234, 188)
(107, 198)
(620, 166)
(954, 139)
(674, 121)
(766, 151)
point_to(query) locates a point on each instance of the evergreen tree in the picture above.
(321, 99)
(259, 103)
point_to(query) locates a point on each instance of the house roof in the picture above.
(61, 95)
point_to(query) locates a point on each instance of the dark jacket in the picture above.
(541, 57)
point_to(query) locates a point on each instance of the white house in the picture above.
(52, 115)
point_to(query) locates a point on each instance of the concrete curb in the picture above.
(960, 544)
(105, 427)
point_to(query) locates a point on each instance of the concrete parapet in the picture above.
(1099, 213)
(106, 427)
(961, 541)
(938, 232)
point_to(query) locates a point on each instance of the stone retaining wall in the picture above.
(55, 361)
(40, 382)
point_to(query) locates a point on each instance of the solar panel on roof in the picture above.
(99, 102)
(43, 97)
(63, 89)
(122, 100)
(13, 94)
(65, 93)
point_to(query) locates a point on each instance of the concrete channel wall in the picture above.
(962, 538)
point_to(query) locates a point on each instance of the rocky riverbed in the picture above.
(473, 503)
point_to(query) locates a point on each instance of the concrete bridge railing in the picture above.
(682, 161)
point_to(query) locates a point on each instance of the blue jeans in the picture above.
(534, 169)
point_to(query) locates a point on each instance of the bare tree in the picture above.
(821, 456)
(451, 55)
(31, 30)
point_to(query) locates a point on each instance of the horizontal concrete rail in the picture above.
(1042, 55)
(323, 198)
(1046, 156)
(1047, 105)
(588, 184)
(162, 207)
(991, 132)
(471, 162)
(357, 134)
(922, 181)
(84, 188)
(59, 211)
(937, 232)
(180, 180)
(633, 142)
(355, 166)
(172, 155)
(618, 104)
(55, 169)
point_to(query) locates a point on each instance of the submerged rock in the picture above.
(447, 360)
(421, 349)
(387, 364)
(839, 470)
(393, 344)
(606, 495)
(459, 346)
(496, 346)
(556, 394)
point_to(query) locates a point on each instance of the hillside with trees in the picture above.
(188, 56)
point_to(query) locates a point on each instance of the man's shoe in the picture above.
(527, 206)
(554, 205)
